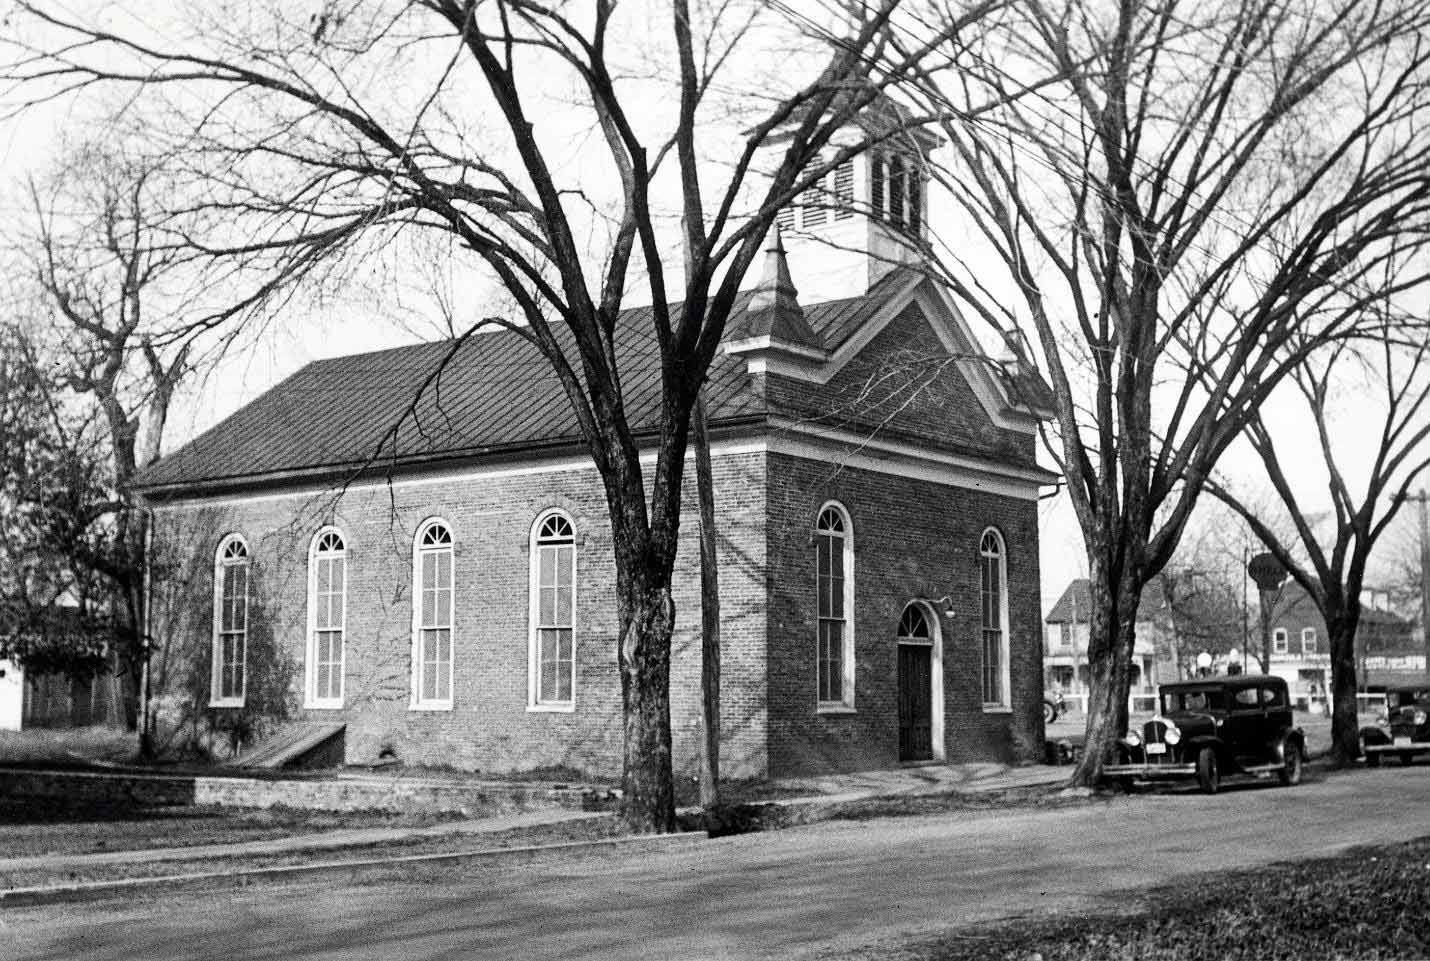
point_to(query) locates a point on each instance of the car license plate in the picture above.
(1156, 749)
(1402, 741)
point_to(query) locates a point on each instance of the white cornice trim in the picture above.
(847, 449)
(785, 436)
(768, 344)
(440, 475)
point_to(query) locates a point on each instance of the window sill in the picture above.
(431, 706)
(835, 708)
(226, 702)
(997, 709)
(322, 705)
(567, 708)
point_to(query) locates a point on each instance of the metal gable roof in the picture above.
(496, 393)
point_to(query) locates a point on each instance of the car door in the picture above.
(1243, 730)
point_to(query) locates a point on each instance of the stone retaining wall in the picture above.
(326, 794)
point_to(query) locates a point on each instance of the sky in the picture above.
(337, 326)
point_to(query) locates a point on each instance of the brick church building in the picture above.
(435, 574)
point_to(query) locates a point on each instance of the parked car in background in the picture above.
(1053, 706)
(1404, 728)
(1212, 727)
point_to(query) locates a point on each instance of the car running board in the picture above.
(1263, 768)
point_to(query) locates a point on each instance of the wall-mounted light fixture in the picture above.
(945, 606)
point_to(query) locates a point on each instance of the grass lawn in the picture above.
(1368, 903)
(69, 745)
(593, 829)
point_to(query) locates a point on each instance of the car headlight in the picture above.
(1173, 735)
(1383, 721)
(1419, 718)
(1132, 739)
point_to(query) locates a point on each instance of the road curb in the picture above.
(337, 870)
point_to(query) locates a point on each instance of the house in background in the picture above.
(1066, 635)
(1386, 652)
(432, 575)
(68, 677)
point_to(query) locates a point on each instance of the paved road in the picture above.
(790, 894)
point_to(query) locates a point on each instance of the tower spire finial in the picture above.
(774, 310)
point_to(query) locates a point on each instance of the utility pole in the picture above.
(1424, 580)
(1246, 609)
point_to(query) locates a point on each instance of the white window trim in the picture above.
(1004, 706)
(1309, 633)
(846, 704)
(533, 600)
(216, 645)
(1280, 641)
(311, 701)
(416, 702)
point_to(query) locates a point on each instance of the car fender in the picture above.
(1193, 746)
(1374, 735)
(1293, 736)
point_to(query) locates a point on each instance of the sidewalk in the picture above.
(323, 841)
(978, 778)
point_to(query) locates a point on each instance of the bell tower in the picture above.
(867, 216)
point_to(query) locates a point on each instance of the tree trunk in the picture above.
(709, 615)
(1112, 627)
(647, 619)
(1345, 720)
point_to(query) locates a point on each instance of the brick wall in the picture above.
(903, 384)
(489, 727)
(912, 539)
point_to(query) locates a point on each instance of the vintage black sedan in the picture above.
(1404, 729)
(1212, 727)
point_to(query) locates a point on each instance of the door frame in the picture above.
(935, 644)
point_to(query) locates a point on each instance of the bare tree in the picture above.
(313, 149)
(1194, 191)
(1329, 559)
(98, 250)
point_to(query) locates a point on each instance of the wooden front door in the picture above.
(915, 702)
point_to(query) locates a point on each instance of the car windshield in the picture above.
(1394, 699)
(1180, 702)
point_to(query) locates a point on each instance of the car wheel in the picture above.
(1372, 759)
(1050, 712)
(1207, 774)
(1407, 758)
(1291, 770)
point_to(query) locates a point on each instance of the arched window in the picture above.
(327, 617)
(993, 594)
(834, 590)
(553, 613)
(230, 642)
(432, 617)
(914, 625)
